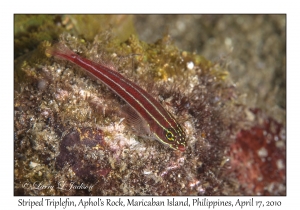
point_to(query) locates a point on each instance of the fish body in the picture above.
(161, 124)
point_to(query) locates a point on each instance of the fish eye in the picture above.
(170, 135)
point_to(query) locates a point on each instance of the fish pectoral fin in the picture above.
(136, 122)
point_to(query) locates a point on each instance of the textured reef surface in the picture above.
(71, 136)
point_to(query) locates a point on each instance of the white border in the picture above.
(6, 84)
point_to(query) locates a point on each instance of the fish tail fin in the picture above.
(59, 50)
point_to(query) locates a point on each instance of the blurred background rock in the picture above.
(253, 48)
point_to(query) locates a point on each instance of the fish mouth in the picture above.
(181, 148)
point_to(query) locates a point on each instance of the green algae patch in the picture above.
(90, 25)
(30, 30)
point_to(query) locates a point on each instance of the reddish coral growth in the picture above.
(259, 158)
